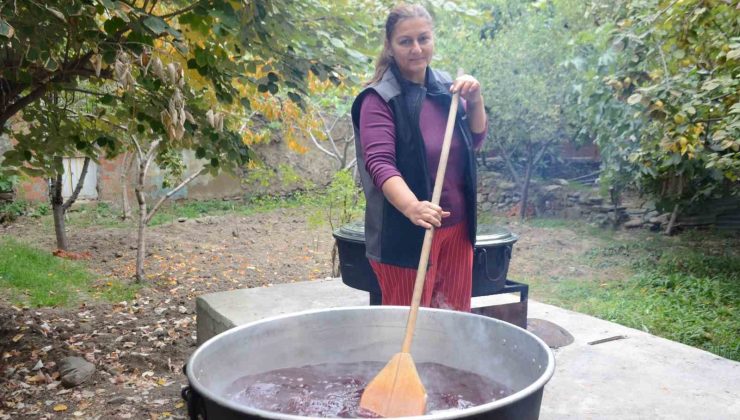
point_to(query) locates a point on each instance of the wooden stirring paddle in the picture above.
(397, 390)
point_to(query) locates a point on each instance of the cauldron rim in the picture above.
(445, 415)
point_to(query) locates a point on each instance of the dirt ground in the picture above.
(140, 346)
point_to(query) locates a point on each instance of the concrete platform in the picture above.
(639, 377)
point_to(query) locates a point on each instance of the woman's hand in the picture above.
(469, 88)
(425, 214)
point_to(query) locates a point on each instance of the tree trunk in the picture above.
(510, 166)
(145, 216)
(525, 186)
(59, 206)
(140, 244)
(128, 161)
(141, 241)
(58, 210)
(672, 221)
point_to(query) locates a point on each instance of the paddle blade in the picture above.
(397, 390)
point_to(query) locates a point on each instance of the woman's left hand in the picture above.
(469, 88)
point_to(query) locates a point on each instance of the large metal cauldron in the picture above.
(501, 351)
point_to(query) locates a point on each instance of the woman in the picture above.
(399, 121)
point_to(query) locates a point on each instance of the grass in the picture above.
(684, 288)
(36, 278)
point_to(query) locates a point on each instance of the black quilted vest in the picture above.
(389, 236)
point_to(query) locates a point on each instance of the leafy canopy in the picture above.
(89, 74)
(661, 99)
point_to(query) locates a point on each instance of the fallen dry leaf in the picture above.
(60, 407)
(17, 337)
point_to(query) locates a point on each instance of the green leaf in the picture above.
(337, 43)
(719, 135)
(102, 141)
(174, 32)
(710, 84)
(201, 57)
(634, 98)
(180, 46)
(108, 4)
(155, 24)
(51, 64)
(113, 25)
(5, 29)
(295, 97)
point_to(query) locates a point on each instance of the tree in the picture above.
(161, 71)
(58, 116)
(662, 99)
(333, 135)
(518, 56)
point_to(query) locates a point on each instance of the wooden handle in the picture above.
(426, 247)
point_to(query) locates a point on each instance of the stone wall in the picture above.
(559, 198)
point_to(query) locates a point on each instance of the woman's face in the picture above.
(412, 46)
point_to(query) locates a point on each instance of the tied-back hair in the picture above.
(396, 15)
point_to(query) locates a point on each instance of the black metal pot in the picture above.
(501, 351)
(492, 253)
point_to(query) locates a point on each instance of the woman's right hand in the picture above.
(425, 214)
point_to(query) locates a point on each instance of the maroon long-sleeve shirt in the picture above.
(379, 149)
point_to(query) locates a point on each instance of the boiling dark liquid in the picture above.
(334, 390)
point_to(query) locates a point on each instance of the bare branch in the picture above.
(662, 58)
(316, 142)
(509, 164)
(139, 152)
(336, 120)
(171, 193)
(78, 187)
(150, 154)
(542, 151)
(347, 144)
(151, 9)
(328, 130)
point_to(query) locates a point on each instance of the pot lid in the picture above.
(354, 231)
(485, 234)
(494, 235)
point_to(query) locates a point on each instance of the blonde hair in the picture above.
(396, 15)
